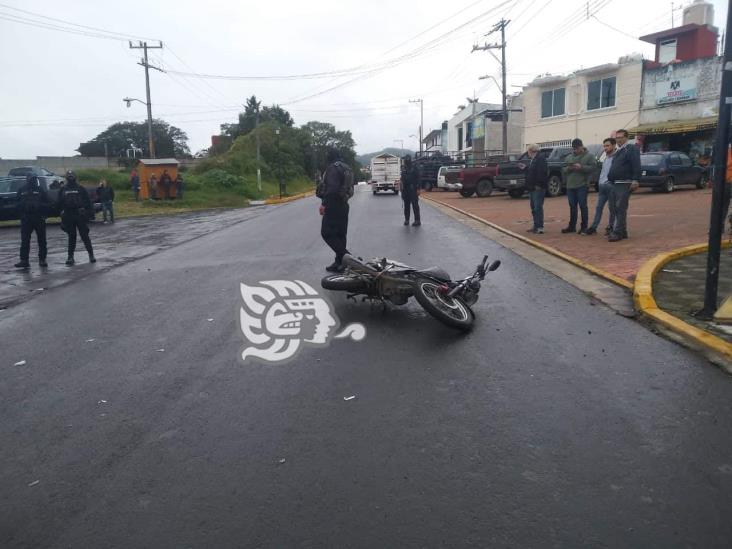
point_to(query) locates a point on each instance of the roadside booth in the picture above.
(149, 166)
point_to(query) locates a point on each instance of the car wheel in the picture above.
(703, 182)
(374, 193)
(554, 186)
(466, 193)
(396, 191)
(668, 185)
(428, 187)
(515, 193)
(484, 188)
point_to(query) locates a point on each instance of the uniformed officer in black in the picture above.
(75, 207)
(33, 204)
(411, 186)
(334, 209)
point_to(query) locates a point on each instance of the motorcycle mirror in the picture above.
(494, 265)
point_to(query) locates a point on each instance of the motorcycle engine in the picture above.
(470, 296)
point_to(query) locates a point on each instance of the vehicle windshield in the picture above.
(651, 159)
(21, 171)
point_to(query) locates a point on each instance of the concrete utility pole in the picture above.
(501, 25)
(721, 147)
(143, 46)
(256, 134)
(421, 119)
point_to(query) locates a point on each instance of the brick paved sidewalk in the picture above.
(656, 223)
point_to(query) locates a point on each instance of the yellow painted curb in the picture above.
(548, 249)
(646, 304)
(289, 198)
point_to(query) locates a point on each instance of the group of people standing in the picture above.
(619, 177)
(158, 189)
(75, 206)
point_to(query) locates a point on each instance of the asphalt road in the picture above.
(555, 423)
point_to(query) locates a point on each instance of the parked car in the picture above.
(448, 178)
(511, 176)
(52, 184)
(664, 171)
(478, 180)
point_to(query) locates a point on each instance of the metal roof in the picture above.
(159, 161)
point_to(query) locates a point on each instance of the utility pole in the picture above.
(421, 119)
(721, 147)
(402, 145)
(143, 46)
(501, 25)
(256, 134)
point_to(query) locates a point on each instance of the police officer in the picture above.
(334, 208)
(75, 207)
(33, 204)
(411, 186)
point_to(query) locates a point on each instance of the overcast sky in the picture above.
(60, 88)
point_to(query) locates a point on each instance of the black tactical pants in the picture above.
(28, 224)
(334, 228)
(73, 222)
(411, 202)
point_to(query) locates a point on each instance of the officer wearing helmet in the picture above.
(75, 206)
(33, 204)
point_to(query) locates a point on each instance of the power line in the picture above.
(608, 25)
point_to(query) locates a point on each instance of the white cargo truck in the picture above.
(386, 172)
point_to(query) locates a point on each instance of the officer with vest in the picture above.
(75, 206)
(411, 187)
(334, 192)
(33, 204)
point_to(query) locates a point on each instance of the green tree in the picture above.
(248, 119)
(322, 136)
(169, 140)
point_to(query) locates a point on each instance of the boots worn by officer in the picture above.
(33, 205)
(75, 207)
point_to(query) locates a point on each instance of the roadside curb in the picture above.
(271, 201)
(646, 305)
(543, 247)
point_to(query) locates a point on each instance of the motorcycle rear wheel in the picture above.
(451, 311)
(343, 283)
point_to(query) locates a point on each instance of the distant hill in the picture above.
(365, 159)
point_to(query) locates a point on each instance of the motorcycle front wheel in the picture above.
(451, 311)
(343, 283)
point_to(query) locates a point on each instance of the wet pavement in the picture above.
(127, 418)
(678, 289)
(114, 244)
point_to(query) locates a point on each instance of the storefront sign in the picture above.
(676, 90)
(478, 129)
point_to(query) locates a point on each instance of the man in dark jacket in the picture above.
(624, 176)
(537, 176)
(135, 184)
(411, 187)
(334, 209)
(106, 196)
(75, 206)
(33, 204)
(166, 182)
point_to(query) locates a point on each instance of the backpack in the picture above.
(346, 191)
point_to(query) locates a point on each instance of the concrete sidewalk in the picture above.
(656, 222)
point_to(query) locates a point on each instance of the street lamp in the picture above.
(402, 142)
(279, 164)
(150, 144)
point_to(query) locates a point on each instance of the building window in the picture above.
(460, 138)
(469, 135)
(667, 50)
(552, 103)
(601, 94)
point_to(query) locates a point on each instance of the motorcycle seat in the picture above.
(436, 272)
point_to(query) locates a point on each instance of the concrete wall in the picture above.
(494, 129)
(459, 120)
(708, 72)
(60, 164)
(590, 126)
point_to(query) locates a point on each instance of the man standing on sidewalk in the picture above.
(624, 175)
(605, 190)
(537, 175)
(578, 166)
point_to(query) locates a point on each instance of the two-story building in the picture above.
(589, 103)
(680, 88)
(436, 140)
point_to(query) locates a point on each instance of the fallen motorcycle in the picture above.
(383, 280)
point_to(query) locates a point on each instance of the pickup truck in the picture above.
(478, 180)
(511, 174)
(429, 164)
(448, 178)
(52, 184)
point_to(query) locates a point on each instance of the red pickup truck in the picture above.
(478, 180)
